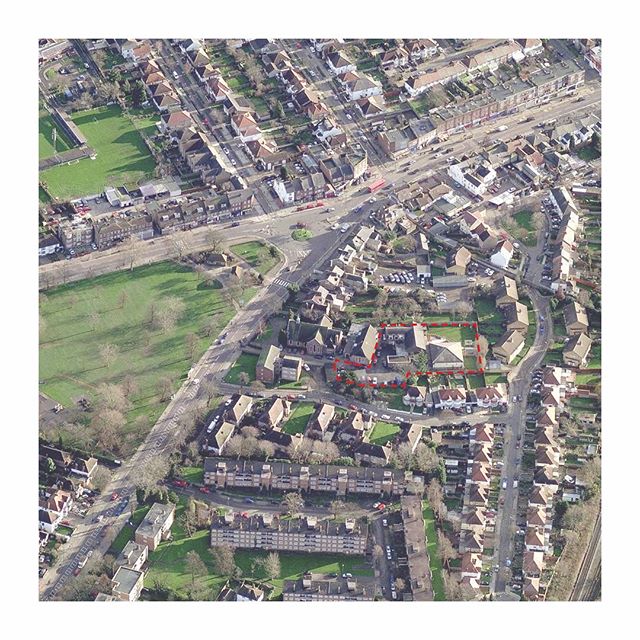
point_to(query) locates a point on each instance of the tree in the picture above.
(452, 587)
(133, 250)
(403, 457)
(271, 565)
(377, 554)
(224, 560)
(195, 565)
(209, 388)
(164, 387)
(168, 315)
(108, 353)
(130, 386)
(336, 507)
(400, 584)
(51, 465)
(112, 396)
(267, 449)
(293, 503)
(137, 94)
(151, 472)
(434, 497)
(94, 320)
(445, 548)
(191, 346)
(243, 379)
(426, 459)
(108, 91)
(107, 425)
(233, 448)
(188, 522)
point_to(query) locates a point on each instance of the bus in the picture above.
(376, 184)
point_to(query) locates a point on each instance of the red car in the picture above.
(382, 506)
(204, 489)
(181, 483)
(114, 496)
(76, 571)
(352, 407)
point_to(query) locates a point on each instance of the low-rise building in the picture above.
(576, 350)
(322, 588)
(127, 584)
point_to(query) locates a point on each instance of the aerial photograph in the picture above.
(319, 319)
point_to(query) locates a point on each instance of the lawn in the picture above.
(246, 363)
(257, 255)
(382, 432)
(476, 380)
(588, 378)
(588, 153)
(526, 230)
(495, 378)
(299, 418)
(194, 475)
(115, 309)
(393, 399)
(595, 361)
(437, 580)
(45, 140)
(489, 318)
(122, 157)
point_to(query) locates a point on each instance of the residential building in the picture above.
(575, 318)
(156, 525)
(127, 584)
(457, 261)
(290, 368)
(576, 350)
(133, 556)
(217, 440)
(516, 316)
(271, 532)
(267, 364)
(322, 588)
(506, 291)
(361, 345)
(240, 405)
(503, 254)
(508, 346)
(417, 556)
(285, 476)
(339, 63)
(315, 339)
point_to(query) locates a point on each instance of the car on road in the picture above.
(335, 226)
(385, 522)
(249, 501)
(114, 496)
(181, 483)
(388, 550)
(504, 484)
(204, 490)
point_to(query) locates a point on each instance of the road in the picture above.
(588, 586)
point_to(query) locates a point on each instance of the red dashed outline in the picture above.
(402, 385)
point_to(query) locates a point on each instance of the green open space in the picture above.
(475, 380)
(299, 418)
(122, 157)
(437, 580)
(115, 309)
(246, 363)
(495, 378)
(392, 398)
(595, 357)
(194, 475)
(45, 137)
(382, 432)
(257, 255)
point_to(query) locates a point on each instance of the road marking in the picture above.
(281, 282)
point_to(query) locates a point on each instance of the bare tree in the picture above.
(112, 396)
(336, 507)
(293, 503)
(169, 314)
(130, 386)
(164, 387)
(445, 548)
(100, 478)
(400, 584)
(426, 458)
(191, 346)
(152, 471)
(435, 498)
(107, 425)
(233, 448)
(267, 449)
(108, 353)
(94, 320)
(243, 379)
(271, 565)
(224, 560)
(195, 565)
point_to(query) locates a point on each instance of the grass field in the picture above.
(257, 255)
(246, 363)
(45, 141)
(437, 581)
(489, 318)
(194, 475)
(382, 432)
(525, 230)
(80, 317)
(121, 155)
(167, 563)
(299, 418)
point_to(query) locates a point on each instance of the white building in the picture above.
(503, 254)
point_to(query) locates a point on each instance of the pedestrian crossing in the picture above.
(281, 282)
(303, 253)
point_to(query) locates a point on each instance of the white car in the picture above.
(335, 226)
(348, 116)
